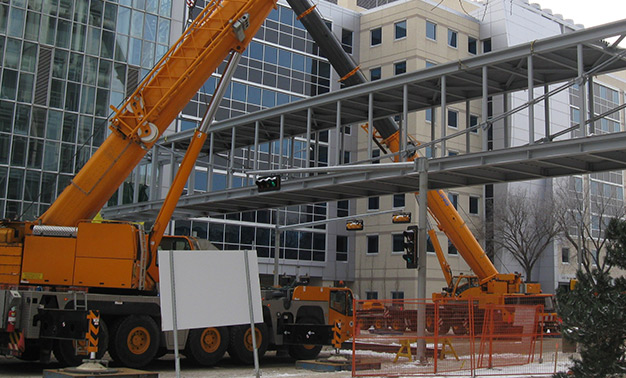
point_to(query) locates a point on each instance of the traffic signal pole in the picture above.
(421, 165)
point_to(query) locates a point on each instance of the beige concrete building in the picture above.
(396, 38)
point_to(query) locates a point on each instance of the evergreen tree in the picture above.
(594, 313)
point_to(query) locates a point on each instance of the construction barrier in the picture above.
(425, 337)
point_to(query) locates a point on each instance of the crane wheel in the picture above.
(207, 346)
(240, 347)
(65, 351)
(305, 351)
(461, 328)
(32, 351)
(135, 341)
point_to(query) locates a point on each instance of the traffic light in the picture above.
(268, 183)
(410, 247)
(401, 217)
(354, 225)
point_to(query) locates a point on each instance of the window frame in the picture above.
(434, 24)
(469, 44)
(477, 198)
(367, 249)
(564, 257)
(456, 117)
(475, 131)
(393, 200)
(380, 73)
(395, 236)
(344, 45)
(452, 32)
(395, 30)
(370, 203)
(380, 30)
(396, 65)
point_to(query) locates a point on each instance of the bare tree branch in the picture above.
(525, 226)
(587, 208)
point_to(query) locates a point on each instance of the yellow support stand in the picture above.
(405, 348)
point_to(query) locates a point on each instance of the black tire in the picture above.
(240, 346)
(161, 352)
(135, 341)
(443, 326)
(207, 346)
(65, 350)
(32, 351)
(305, 351)
(461, 328)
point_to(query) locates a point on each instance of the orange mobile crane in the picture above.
(488, 285)
(54, 269)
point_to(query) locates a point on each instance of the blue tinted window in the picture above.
(271, 54)
(256, 50)
(431, 30)
(298, 62)
(268, 98)
(254, 95)
(239, 92)
(286, 16)
(284, 58)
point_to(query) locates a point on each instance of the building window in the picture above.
(375, 74)
(400, 28)
(346, 40)
(343, 208)
(329, 25)
(473, 121)
(452, 249)
(373, 203)
(375, 154)
(473, 205)
(452, 153)
(342, 248)
(397, 243)
(454, 199)
(346, 157)
(430, 64)
(371, 295)
(429, 115)
(398, 200)
(399, 68)
(397, 295)
(565, 255)
(376, 36)
(486, 45)
(452, 38)
(372, 244)
(453, 118)
(472, 45)
(431, 30)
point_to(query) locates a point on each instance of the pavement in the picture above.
(271, 366)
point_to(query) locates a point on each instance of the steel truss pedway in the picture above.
(561, 61)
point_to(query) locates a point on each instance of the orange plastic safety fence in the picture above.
(421, 337)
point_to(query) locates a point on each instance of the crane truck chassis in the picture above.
(38, 321)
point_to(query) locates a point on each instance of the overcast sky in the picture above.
(588, 13)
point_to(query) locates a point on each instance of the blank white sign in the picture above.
(211, 289)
